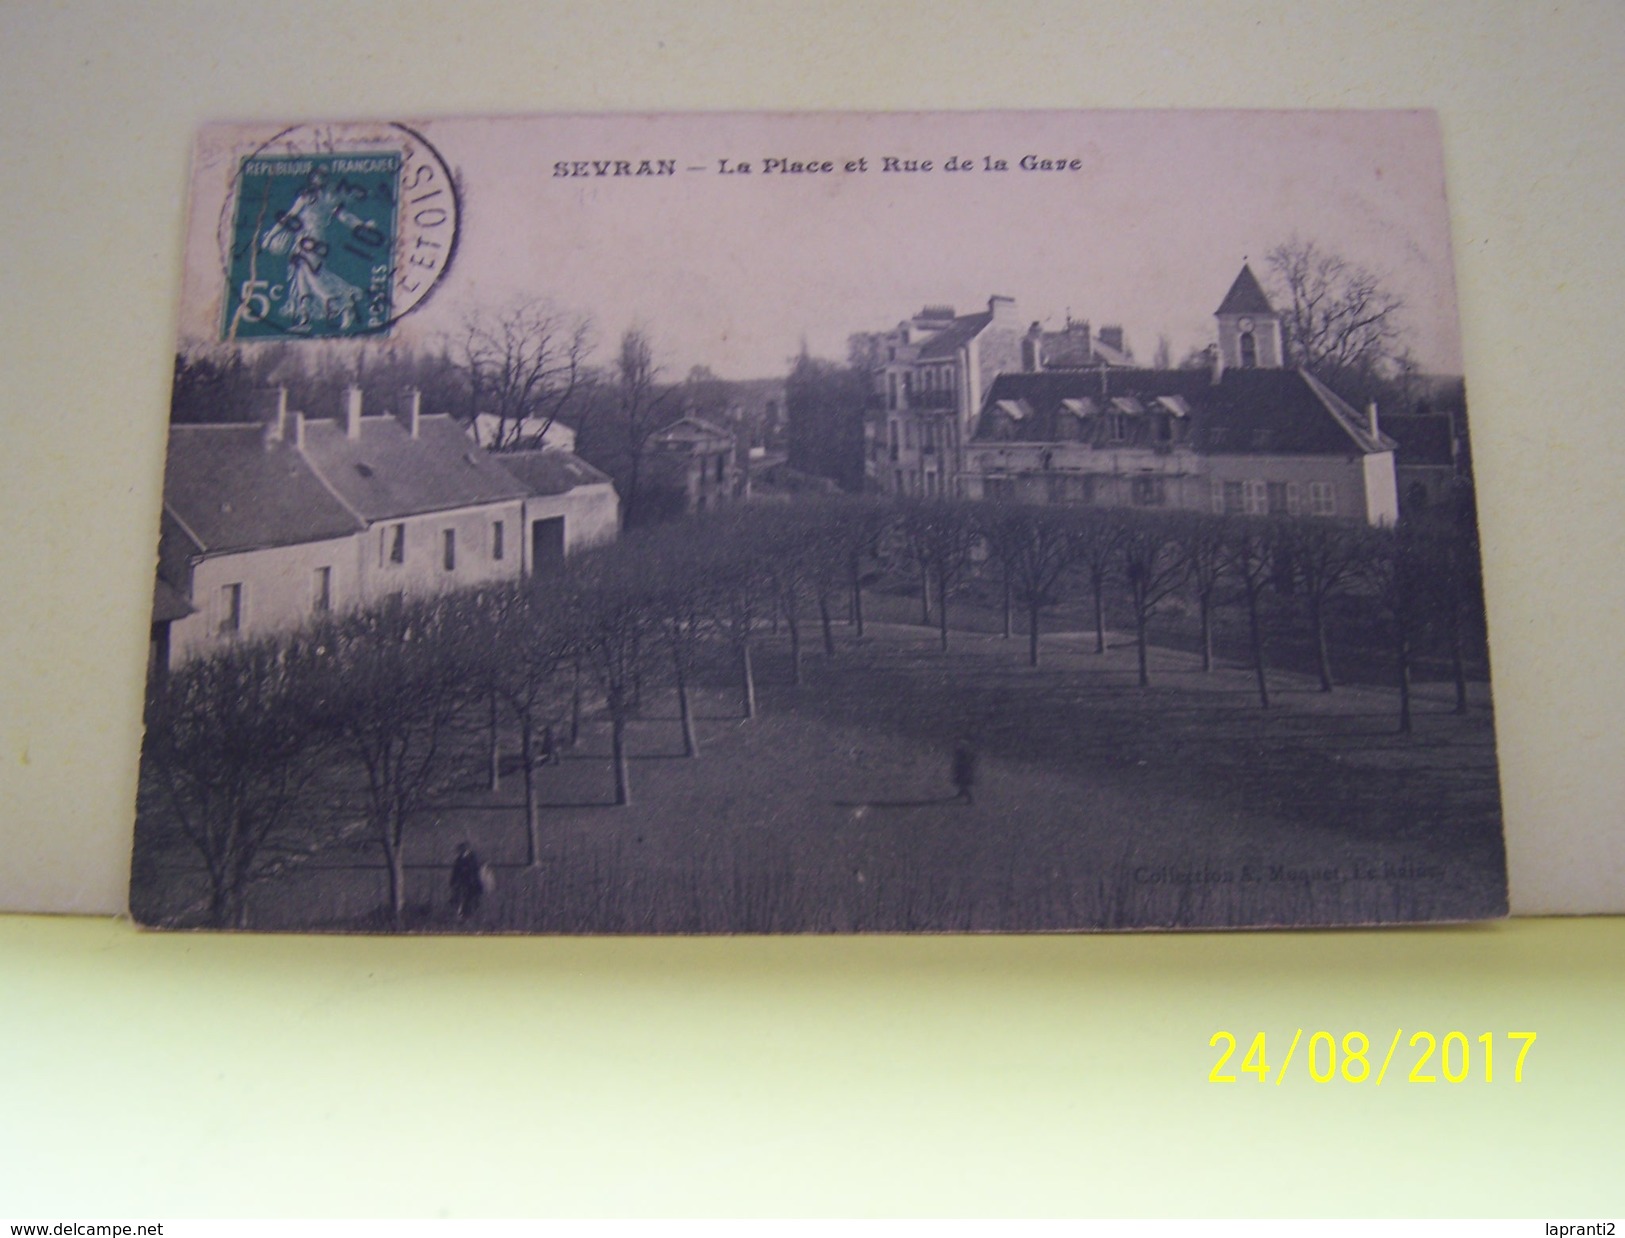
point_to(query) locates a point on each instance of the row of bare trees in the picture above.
(261, 753)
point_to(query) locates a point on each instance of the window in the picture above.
(449, 551)
(1149, 492)
(1255, 498)
(1232, 497)
(231, 609)
(497, 547)
(908, 435)
(1070, 488)
(393, 546)
(322, 591)
(1249, 351)
(1116, 427)
(1283, 498)
(891, 388)
(1322, 499)
(722, 465)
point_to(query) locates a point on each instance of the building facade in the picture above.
(1246, 436)
(694, 466)
(269, 527)
(931, 376)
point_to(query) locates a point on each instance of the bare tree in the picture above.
(1041, 544)
(1203, 544)
(1250, 553)
(1396, 570)
(611, 626)
(678, 581)
(1339, 320)
(942, 535)
(225, 761)
(1322, 558)
(641, 406)
(525, 364)
(524, 649)
(1154, 569)
(398, 679)
(1100, 539)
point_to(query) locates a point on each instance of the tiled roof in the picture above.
(231, 490)
(1246, 296)
(1273, 412)
(550, 472)
(954, 336)
(387, 473)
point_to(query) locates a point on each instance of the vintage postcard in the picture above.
(819, 523)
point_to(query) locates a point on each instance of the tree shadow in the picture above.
(926, 803)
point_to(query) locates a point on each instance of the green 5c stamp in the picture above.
(335, 232)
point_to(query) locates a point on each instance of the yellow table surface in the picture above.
(153, 1076)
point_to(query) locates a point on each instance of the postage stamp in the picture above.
(334, 233)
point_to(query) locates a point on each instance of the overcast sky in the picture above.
(732, 271)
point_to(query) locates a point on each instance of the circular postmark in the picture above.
(332, 231)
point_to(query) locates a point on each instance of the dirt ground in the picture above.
(1098, 804)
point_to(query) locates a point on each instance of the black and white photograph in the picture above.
(823, 523)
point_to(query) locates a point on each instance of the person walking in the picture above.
(964, 771)
(467, 882)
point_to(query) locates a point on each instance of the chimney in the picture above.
(1032, 349)
(275, 425)
(414, 407)
(299, 431)
(1002, 309)
(1371, 418)
(352, 412)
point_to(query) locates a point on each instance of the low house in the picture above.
(569, 505)
(1428, 461)
(693, 465)
(268, 526)
(439, 512)
(252, 539)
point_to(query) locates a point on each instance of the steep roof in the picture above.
(550, 472)
(1248, 412)
(689, 430)
(955, 335)
(386, 473)
(1246, 296)
(231, 490)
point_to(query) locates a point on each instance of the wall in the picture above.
(592, 516)
(278, 592)
(423, 570)
(1349, 477)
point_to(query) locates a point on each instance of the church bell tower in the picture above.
(1249, 327)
